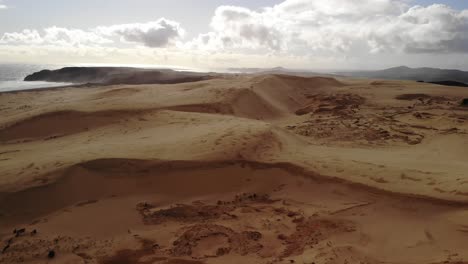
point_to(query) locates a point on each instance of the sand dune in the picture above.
(44, 126)
(239, 169)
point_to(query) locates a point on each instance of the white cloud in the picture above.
(320, 32)
(155, 34)
(348, 9)
(54, 36)
(64, 36)
(160, 33)
(26, 36)
(240, 28)
(2, 6)
(432, 29)
(310, 26)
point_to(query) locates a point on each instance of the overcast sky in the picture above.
(306, 34)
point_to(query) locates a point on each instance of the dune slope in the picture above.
(251, 169)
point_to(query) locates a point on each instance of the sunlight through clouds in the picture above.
(334, 29)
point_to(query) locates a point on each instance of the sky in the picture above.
(217, 34)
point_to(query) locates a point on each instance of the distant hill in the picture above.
(257, 70)
(433, 75)
(116, 75)
(280, 70)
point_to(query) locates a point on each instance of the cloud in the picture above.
(239, 27)
(324, 33)
(155, 34)
(64, 36)
(54, 36)
(299, 27)
(340, 26)
(25, 36)
(2, 6)
(433, 29)
(160, 33)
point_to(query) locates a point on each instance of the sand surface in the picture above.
(241, 169)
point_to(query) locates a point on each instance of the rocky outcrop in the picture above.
(451, 83)
(465, 102)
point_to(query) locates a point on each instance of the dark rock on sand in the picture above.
(5, 248)
(451, 83)
(19, 232)
(447, 83)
